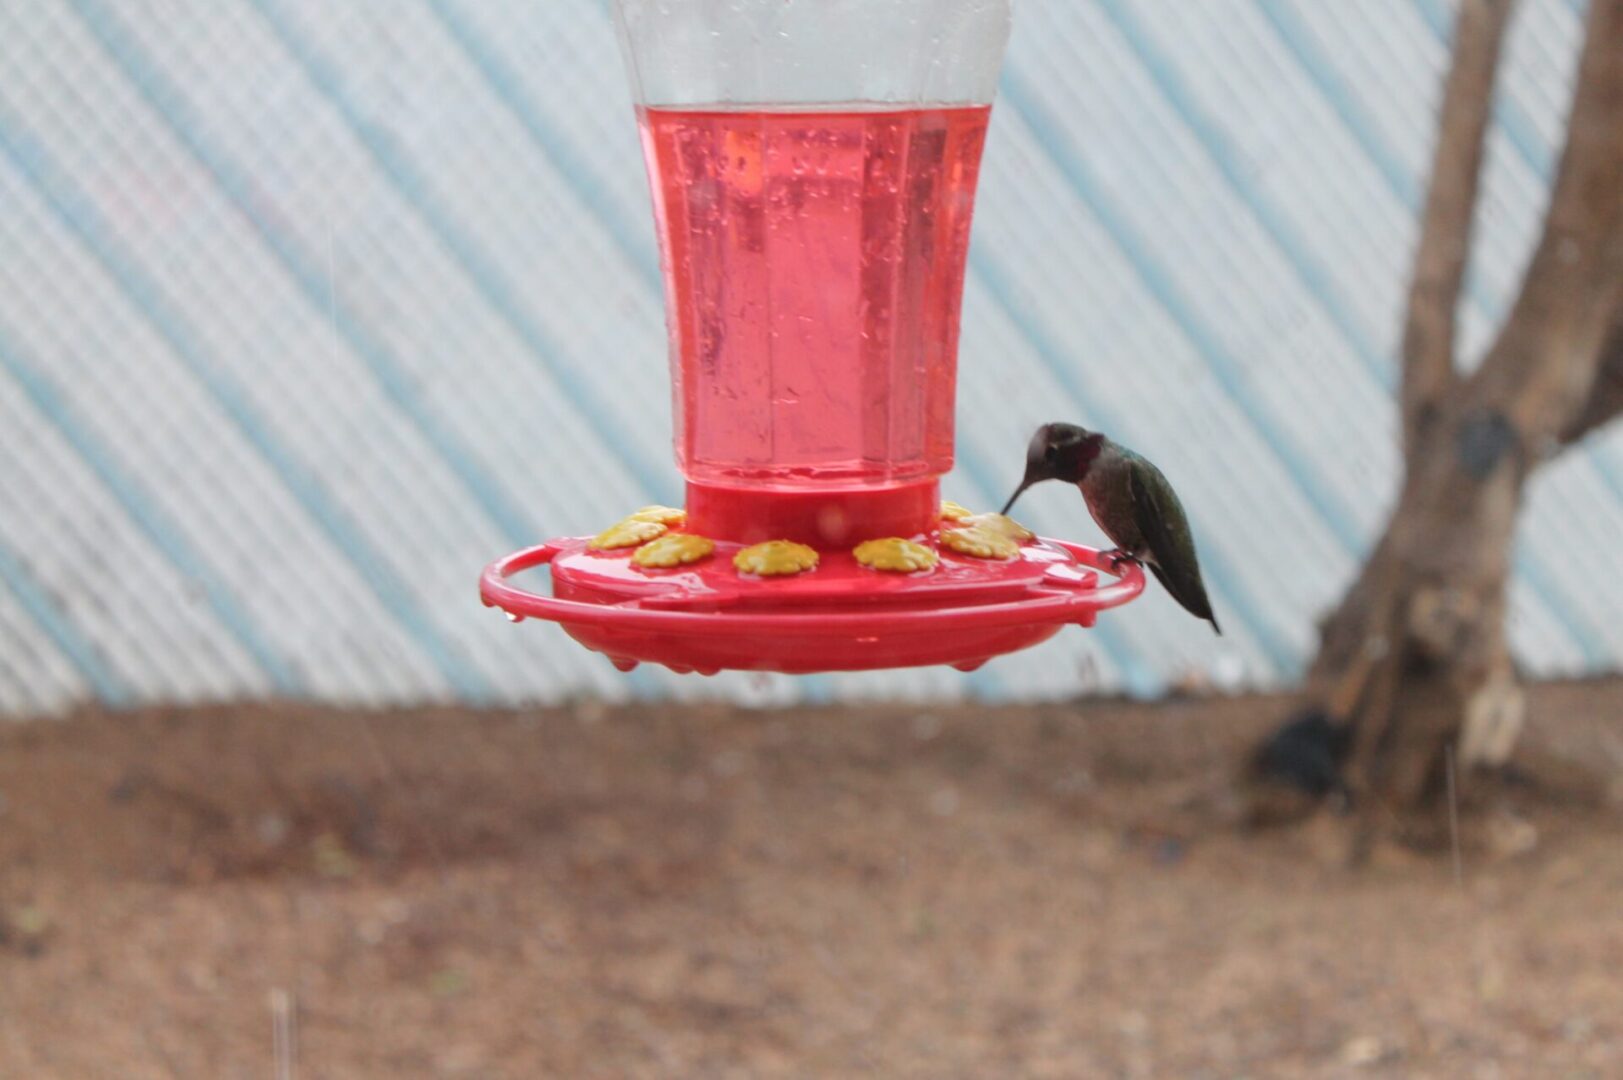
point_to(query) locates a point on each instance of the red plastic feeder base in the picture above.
(708, 617)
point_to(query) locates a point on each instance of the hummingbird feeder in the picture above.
(813, 166)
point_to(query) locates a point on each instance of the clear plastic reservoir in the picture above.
(813, 166)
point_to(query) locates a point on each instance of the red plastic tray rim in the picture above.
(1050, 604)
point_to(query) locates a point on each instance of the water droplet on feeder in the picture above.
(513, 616)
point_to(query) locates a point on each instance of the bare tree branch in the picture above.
(1605, 401)
(1542, 367)
(1445, 227)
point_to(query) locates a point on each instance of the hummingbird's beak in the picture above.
(1024, 484)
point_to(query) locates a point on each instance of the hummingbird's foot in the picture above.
(1115, 557)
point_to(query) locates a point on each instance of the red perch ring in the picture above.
(708, 617)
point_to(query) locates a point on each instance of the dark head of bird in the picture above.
(1058, 452)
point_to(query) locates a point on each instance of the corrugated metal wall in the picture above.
(307, 310)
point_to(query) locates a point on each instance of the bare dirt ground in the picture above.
(656, 891)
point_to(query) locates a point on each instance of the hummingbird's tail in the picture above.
(1190, 595)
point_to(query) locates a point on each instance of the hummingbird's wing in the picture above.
(1165, 529)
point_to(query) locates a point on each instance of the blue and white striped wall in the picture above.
(307, 310)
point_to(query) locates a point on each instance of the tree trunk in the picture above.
(1414, 660)
(1418, 644)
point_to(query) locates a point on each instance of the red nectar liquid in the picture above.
(814, 268)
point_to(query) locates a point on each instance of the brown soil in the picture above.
(659, 891)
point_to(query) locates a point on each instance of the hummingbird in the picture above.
(1130, 500)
